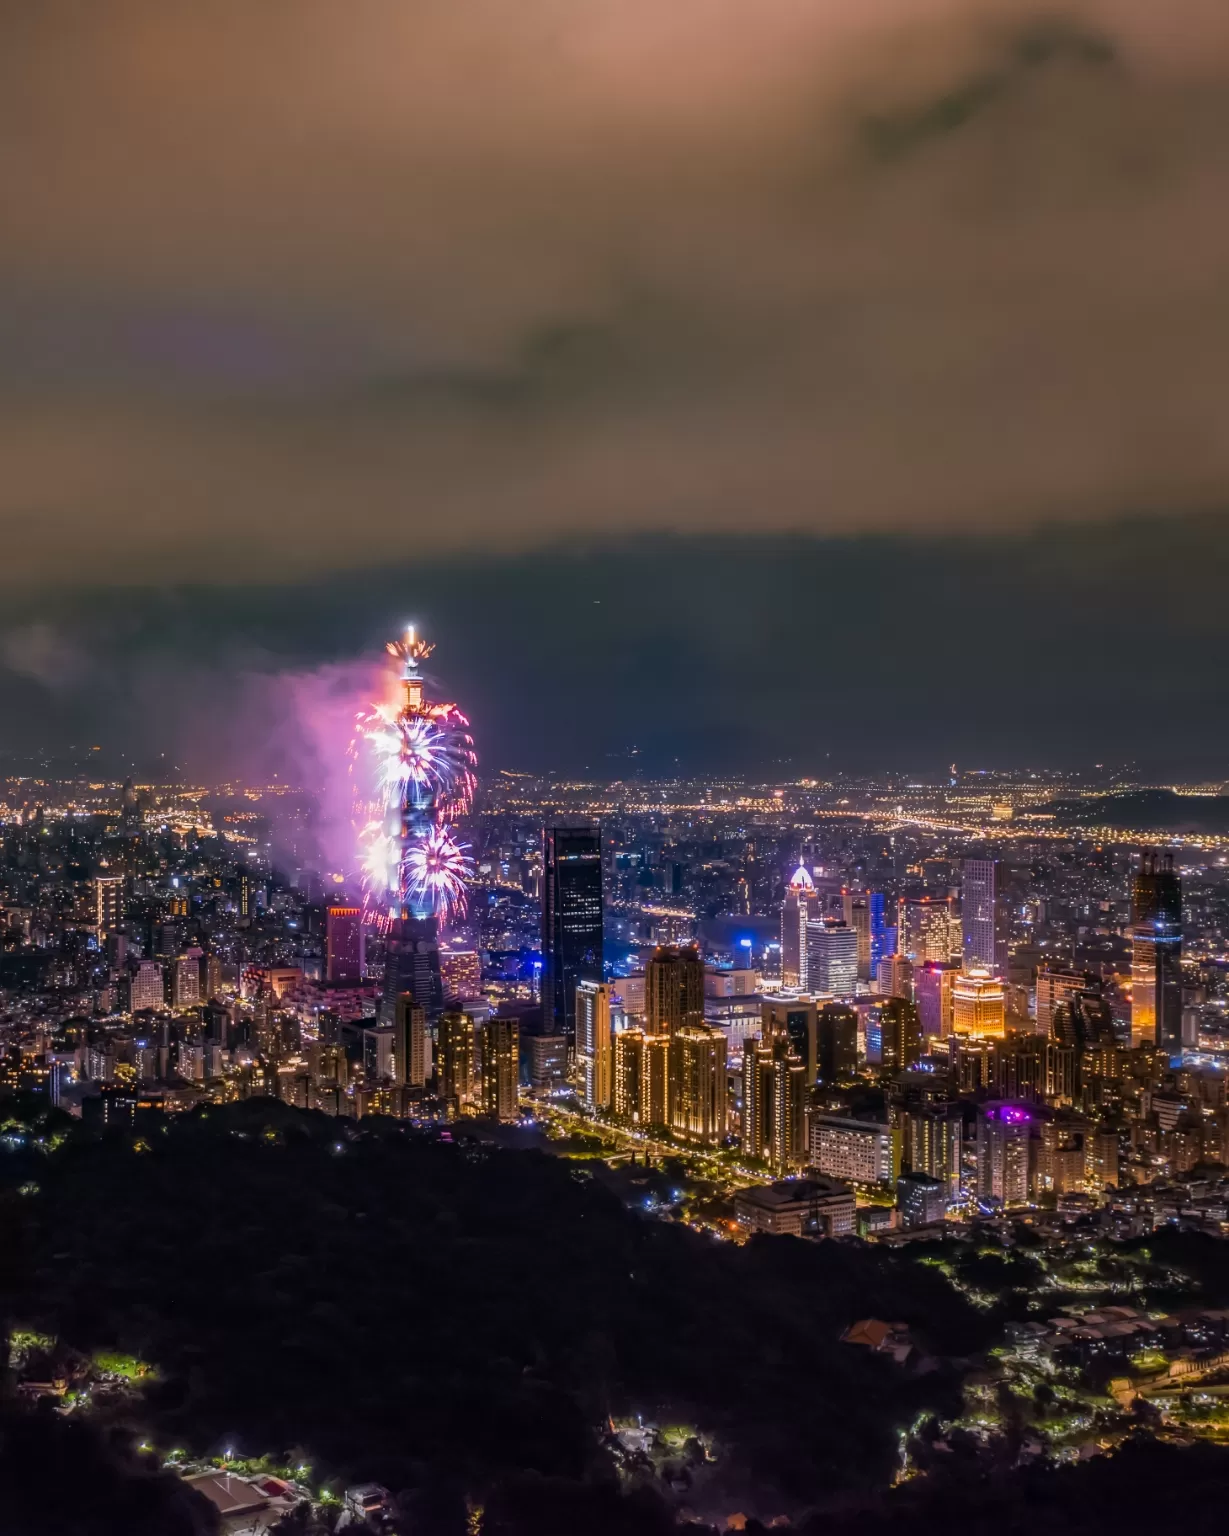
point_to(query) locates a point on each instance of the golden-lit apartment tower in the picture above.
(501, 1068)
(900, 1027)
(108, 903)
(410, 1049)
(627, 1075)
(931, 1143)
(455, 1061)
(655, 1083)
(927, 929)
(774, 1105)
(595, 1043)
(698, 1085)
(673, 989)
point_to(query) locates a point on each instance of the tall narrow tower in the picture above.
(416, 869)
(571, 921)
(1156, 955)
(984, 939)
(801, 904)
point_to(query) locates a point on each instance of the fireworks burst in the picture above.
(423, 761)
(437, 871)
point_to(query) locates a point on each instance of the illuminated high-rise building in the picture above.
(571, 921)
(933, 984)
(461, 974)
(674, 989)
(186, 981)
(1084, 1021)
(379, 1044)
(900, 1034)
(894, 976)
(1003, 1133)
(930, 1143)
(655, 1083)
(837, 1039)
(416, 871)
(500, 1068)
(148, 986)
(454, 1062)
(595, 1043)
(800, 906)
(794, 1019)
(927, 929)
(877, 931)
(921, 1199)
(832, 959)
(857, 915)
(411, 1044)
(698, 1085)
(979, 1005)
(211, 977)
(343, 945)
(1156, 956)
(108, 903)
(1101, 1159)
(981, 919)
(975, 1063)
(774, 1105)
(628, 1074)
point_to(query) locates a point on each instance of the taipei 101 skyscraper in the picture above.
(416, 872)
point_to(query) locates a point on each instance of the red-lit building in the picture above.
(344, 957)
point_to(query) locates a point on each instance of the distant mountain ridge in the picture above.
(1148, 810)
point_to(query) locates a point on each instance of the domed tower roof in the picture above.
(801, 880)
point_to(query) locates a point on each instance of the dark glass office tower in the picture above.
(571, 921)
(1156, 955)
(412, 964)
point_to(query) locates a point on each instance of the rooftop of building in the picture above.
(230, 1495)
(789, 1191)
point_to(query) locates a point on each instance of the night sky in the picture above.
(808, 383)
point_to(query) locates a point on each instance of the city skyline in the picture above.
(1006, 1048)
(759, 1062)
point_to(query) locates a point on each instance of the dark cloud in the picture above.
(286, 289)
(1055, 648)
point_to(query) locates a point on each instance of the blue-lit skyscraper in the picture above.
(877, 908)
